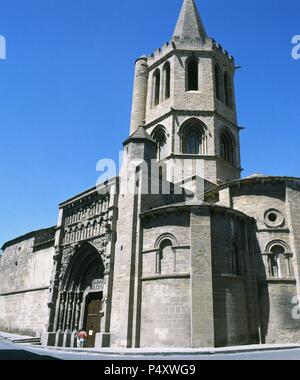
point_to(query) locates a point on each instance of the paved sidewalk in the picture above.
(177, 351)
(159, 351)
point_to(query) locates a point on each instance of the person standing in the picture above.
(81, 339)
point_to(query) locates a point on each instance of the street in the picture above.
(10, 351)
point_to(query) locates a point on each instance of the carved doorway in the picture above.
(80, 297)
(92, 324)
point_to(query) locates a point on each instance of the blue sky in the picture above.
(66, 86)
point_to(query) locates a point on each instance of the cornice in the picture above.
(191, 113)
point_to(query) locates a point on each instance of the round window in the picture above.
(273, 218)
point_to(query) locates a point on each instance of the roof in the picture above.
(90, 191)
(38, 234)
(189, 23)
(139, 135)
(192, 203)
(252, 179)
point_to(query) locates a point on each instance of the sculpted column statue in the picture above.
(69, 311)
(78, 309)
(62, 310)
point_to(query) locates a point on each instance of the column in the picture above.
(201, 279)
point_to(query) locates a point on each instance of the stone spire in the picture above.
(189, 23)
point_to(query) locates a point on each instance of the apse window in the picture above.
(279, 261)
(273, 218)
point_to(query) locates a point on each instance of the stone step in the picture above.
(31, 341)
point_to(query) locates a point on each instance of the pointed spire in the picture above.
(189, 23)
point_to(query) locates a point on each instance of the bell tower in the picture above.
(184, 99)
(183, 116)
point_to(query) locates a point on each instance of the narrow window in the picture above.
(223, 148)
(275, 258)
(193, 75)
(137, 179)
(228, 91)
(160, 180)
(167, 75)
(218, 82)
(156, 87)
(227, 148)
(193, 142)
(165, 258)
(161, 140)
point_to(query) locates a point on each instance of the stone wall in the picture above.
(195, 300)
(25, 313)
(166, 313)
(166, 293)
(230, 312)
(25, 271)
(276, 303)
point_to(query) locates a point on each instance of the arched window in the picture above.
(276, 260)
(228, 90)
(227, 147)
(279, 262)
(192, 70)
(218, 83)
(167, 81)
(160, 137)
(165, 258)
(193, 138)
(156, 84)
(192, 141)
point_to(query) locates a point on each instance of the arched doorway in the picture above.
(81, 294)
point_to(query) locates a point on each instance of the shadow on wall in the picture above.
(263, 295)
(242, 306)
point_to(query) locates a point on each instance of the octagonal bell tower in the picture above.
(184, 98)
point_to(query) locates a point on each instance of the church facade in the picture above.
(178, 250)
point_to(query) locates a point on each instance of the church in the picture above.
(178, 250)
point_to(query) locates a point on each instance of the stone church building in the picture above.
(202, 259)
